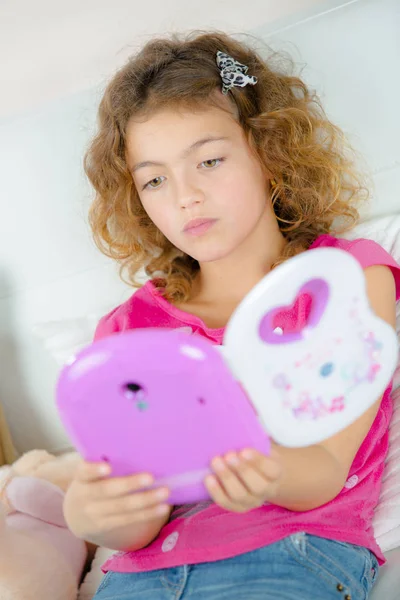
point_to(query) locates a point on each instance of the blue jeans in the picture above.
(299, 567)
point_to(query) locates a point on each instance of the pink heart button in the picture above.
(284, 324)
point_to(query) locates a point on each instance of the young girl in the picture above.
(211, 167)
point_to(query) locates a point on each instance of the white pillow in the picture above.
(386, 232)
(64, 338)
(387, 585)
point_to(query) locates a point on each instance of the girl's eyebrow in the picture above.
(185, 153)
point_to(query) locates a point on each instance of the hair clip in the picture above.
(233, 73)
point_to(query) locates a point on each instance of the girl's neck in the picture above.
(221, 285)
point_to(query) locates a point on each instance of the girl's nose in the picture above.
(189, 195)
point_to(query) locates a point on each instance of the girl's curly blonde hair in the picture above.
(312, 164)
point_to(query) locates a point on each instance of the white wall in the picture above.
(351, 55)
(49, 268)
(53, 49)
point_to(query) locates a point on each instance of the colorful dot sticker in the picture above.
(326, 369)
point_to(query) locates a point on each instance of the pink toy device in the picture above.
(158, 401)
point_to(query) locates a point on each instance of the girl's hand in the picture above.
(244, 480)
(96, 506)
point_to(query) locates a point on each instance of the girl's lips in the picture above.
(198, 227)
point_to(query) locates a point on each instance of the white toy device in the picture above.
(310, 383)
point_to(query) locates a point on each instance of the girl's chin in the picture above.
(211, 255)
(209, 250)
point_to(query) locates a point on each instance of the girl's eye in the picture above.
(212, 162)
(156, 181)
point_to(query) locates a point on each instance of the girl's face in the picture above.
(198, 181)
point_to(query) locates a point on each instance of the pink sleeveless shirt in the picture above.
(205, 532)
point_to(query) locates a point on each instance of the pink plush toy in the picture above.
(39, 557)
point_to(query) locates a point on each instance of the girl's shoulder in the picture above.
(134, 313)
(366, 251)
(363, 249)
(147, 307)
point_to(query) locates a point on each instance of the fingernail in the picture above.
(162, 509)
(146, 481)
(162, 494)
(104, 469)
(219, 464)
(232, 459)
(211, 480)
(248, 454)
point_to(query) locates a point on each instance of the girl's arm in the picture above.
(133, 537)
(304, 478)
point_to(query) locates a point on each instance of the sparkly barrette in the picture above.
(233, 73)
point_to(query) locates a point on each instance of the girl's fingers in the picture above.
(231, 484)
(117, 487)
(101, 487)
(125, 520)
(253, 480)
(87, 472)
(126, 505)
(219, 495)
(269, 466)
